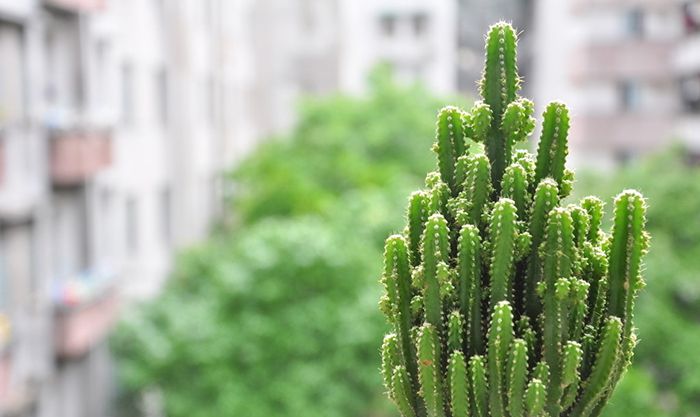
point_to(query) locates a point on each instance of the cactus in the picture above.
(503, 301)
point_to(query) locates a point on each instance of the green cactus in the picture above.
(503, 301)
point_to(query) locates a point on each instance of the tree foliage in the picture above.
(276, 315)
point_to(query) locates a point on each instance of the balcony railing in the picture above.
(631, 59)
(78, 156)
(85, 308)
(77, 5)
(79, 328)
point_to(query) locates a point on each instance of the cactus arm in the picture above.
(397, 256)
(439, 198)
(499, 86)
(535, 395)
(390, 359)
(503, 230)
(579, 298)
(573, 355)
(477, 187)
(435, 252)
(461, 169)
(603, 369)
(515, 187)
(450, 144)
(479, 386)
(582, 224)
(553, 147)
(459, 399)
(594, 206)
(626, 251)
(541, 372)
(401, 392)
(517, 123)
(455, 326)
(600, 304)
(418, 207)
(429, 370)
(481, 118)
(500, 339)
(517, 376)
(545, 199)
(469, 270)
(558, 254)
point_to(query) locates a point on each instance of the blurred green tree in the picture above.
(276, 315)
(665, 379)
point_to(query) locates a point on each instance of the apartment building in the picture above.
(611, 60)
(417, 39)
(319, 47)
(117, 119)
(475, 17)
(687, 67)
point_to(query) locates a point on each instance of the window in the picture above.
(166, 214)
(691, 16)
(634, 23)
(690, 93)
(162, 95)
(388, 25)
(11, 75)
(127, 94)
(630, 95)
(132, 225)
(420, 24)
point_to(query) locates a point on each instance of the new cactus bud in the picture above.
(501, 301)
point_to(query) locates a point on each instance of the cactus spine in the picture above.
(504, 302)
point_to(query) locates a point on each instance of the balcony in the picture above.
(77, 5)
(85, 310)
(631, 59)
(78, 156)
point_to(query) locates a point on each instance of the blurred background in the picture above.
(194, 194)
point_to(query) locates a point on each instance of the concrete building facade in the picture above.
(117, 121)
(611, 61)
